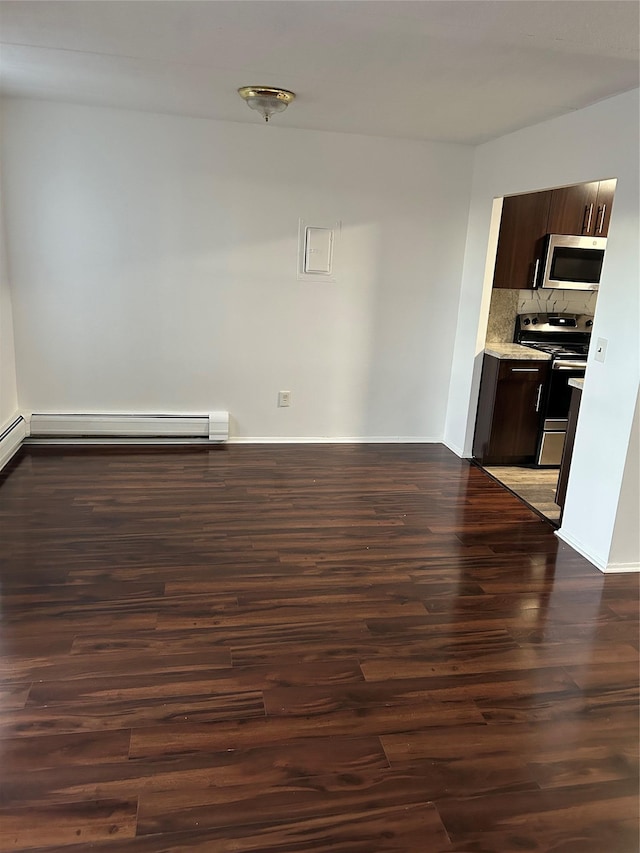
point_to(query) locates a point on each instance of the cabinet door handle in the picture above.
(538, 398)
(588, 213)
(601, 212)
(534, 280)
(524, 369)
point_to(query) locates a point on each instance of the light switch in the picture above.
(601, 349)
(318, 250)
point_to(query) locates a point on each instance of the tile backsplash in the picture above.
(562, 301)
(507, 304)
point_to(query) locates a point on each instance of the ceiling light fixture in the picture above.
(266, 100)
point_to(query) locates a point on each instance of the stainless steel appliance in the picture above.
(571, 262)
(565, 337)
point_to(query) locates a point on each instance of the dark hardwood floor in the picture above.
(282, 649)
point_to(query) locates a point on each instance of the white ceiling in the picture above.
(456, 70)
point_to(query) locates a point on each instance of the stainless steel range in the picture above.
(565, 337)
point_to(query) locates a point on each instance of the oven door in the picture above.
(556, 411)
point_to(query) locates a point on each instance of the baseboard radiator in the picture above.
(128, 428)
(11, 437)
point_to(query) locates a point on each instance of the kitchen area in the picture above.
(550, 252)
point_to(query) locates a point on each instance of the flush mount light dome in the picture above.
(266, 100)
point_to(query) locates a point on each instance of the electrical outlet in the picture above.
(601, 349)
(284, 398)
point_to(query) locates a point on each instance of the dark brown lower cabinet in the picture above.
(509, 410)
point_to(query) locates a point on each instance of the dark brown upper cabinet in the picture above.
(606, 189)
(573, 209)
(583, 209)
(522, 227)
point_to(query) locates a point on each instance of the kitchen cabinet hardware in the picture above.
(535, 272)
(601, 214)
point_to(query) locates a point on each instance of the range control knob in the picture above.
(534, 321)
(589, 323)
(527, 321)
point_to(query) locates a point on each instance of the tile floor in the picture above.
(536, 486)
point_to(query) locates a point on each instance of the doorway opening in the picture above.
(537, 339)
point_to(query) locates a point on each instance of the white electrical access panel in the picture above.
(316, 251)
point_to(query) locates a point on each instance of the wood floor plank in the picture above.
(28, 754)
(74, 824)
(175, 739)
(415, 662)
(383, 830)
(583, 766)
(121, 713)
(169, 685)
(529, 742)
(473, 688)
(111, 663)
(348, 649)
(268, 766)
(547, 820)
(302, 799)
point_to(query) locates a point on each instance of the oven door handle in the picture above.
(568, 365)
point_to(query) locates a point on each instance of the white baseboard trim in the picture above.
(375, 439)
(619, 568)
(12, 435)
(600, 563)
(126, 427)
(92, 441)
(455, 449)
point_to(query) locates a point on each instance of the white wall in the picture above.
(154, 268)
(8, 388)
(625, 543)
(598, 142)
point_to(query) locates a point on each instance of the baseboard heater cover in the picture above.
(212, 426)
(11, 438)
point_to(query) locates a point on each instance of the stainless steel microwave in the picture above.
(572, 263)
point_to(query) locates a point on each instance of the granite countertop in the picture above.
(574, 382)
(515, 351)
